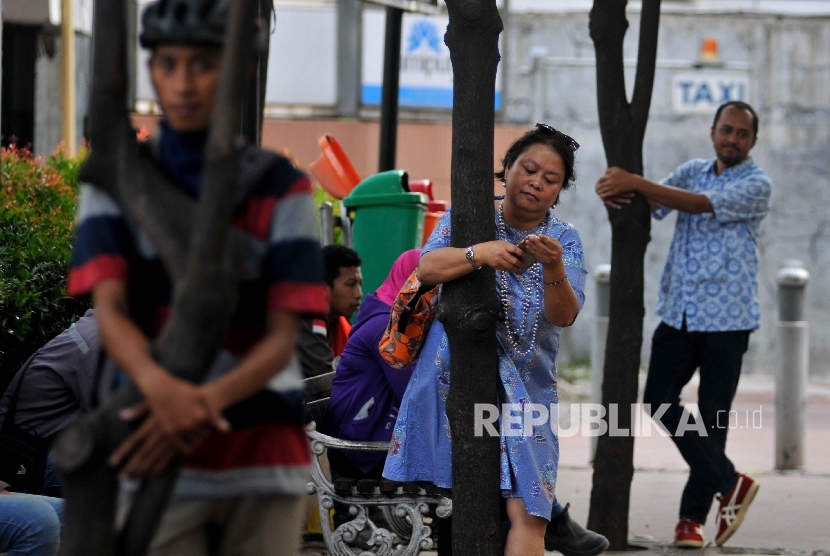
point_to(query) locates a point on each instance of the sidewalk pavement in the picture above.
(790, 514)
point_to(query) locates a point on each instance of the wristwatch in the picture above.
(469, 254)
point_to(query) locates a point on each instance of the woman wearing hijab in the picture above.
(367, 392)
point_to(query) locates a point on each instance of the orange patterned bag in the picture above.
(409, 321)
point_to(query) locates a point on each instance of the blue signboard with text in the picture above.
(426, 79)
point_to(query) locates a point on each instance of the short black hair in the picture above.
(336, 256)
(743, 106)
(557, 141)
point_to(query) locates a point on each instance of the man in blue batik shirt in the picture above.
(708, 302)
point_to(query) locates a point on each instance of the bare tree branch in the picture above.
(204, 287)
(607, 26)
(646, 64)
(115, 164)
(623, 127)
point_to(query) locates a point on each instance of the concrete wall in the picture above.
(48, 93)
(788, 62)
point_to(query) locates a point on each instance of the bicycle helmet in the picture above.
(185, 21)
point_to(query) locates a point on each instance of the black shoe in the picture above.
(568, 537)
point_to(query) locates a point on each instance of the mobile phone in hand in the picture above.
(527, 260)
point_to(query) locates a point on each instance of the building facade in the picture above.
(324, 75)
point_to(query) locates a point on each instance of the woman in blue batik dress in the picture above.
(537, 302)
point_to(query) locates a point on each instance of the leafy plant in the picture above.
(37, 211)
(320, 196)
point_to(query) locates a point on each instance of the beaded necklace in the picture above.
(535, 278)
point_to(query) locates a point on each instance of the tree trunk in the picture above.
(196, 247)
(623, 128)
(469, 306)
(253, 107)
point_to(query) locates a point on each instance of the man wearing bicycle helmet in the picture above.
(240, 434)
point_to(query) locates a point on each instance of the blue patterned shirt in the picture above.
(711, 274)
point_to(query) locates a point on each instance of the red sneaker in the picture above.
(688, 534)
(733, 507)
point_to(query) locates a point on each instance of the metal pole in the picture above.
(345, 226)
(326, 224)
(791, 380)
(68, 78)
(131, 63)
(504, 46)
(537, 65)
(391, 87)
(602, 276)
(349, 41)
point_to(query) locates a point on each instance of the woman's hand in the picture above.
(561, 306)
(449, 263)
(499, 255)
(179, 417)
(546, 249)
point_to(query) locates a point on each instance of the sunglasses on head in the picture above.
(550, 131)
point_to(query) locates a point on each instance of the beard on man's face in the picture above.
(730, 154)
(730, 161)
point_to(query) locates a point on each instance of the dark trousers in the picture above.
(675, 355)
(342, 467)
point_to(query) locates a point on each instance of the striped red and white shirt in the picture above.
(267, 451)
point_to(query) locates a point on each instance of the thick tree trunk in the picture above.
(469, 307)
(623, 129)
(194, 243)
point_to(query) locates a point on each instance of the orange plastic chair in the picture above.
(333, 169)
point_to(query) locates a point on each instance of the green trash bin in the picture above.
(388, 220)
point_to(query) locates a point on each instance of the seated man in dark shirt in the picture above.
(322, 340)
(58, 387)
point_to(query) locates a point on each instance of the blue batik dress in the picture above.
(420, 449)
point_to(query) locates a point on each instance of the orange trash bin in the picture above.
(333, 169)
(435, 210)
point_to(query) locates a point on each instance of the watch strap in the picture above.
(471, 258)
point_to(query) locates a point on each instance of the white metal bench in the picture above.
(403, 505)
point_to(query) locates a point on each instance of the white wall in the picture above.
(787, 60)
(302, 62)
(302, 58)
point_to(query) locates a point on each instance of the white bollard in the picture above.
(537, 67)
(602, 277)
(791, 379)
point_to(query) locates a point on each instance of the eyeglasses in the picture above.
(549, 131)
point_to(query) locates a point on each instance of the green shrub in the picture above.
(37, 212)
(321, 196)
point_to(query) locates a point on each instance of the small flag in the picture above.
(318, 326)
